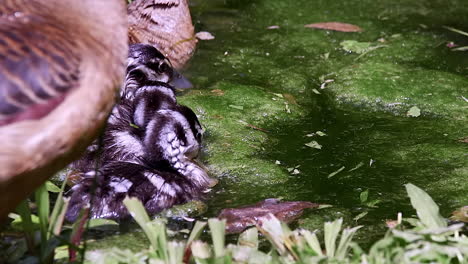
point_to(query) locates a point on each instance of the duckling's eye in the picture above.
(163, 67)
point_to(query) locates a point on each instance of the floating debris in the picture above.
(336, 172)
(273, 27)
(204, 35)
(238, 107)
(324, 84)
(314, 144)
(414, 112)
(360, 164)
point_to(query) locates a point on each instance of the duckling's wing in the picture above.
(38, 66)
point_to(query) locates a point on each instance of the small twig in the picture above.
(257, 128)
(253, 127)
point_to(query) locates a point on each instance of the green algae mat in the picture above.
(343, 119)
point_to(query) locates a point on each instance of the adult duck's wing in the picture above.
(39, 65)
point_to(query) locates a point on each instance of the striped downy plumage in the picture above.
(145, 63)
(147, 152)
(61, 63)
(165, 24)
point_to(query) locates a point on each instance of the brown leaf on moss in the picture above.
(336, 26)
(239, 219)
(463, 140)
(460, 215)
(290, 98)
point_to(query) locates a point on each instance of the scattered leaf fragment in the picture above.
(315, 91)
(238, 107)
(359, 216)
(278, 95)
(364, 195)
(52, 187)
(336, 26)
(355, 46)
(336, 172)
(414, 112)
(273, 27)
(325, 82)
(320, 133)
(373, 203)
(286, 106)
(204, 35)
(278, 162)
(314, 144)
(295, 172)
(323, 206)
(360, 164)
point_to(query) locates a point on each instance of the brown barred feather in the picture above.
(165, 24)
(61, 63)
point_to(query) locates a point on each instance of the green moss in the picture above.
(363, 112)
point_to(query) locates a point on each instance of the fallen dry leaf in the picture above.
(336, 26)
(204, 35)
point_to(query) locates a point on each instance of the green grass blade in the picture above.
(217, 228)
(332, 229)
(345, 241)
(58, 212)
(176, 252)
(312, 241)
(457, 31)
(138, 212)
(249, 238)
(196, 232)
(27, 223)
(426, 208)
(161, 249)
(42, 201)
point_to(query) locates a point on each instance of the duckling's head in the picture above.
(145, 63)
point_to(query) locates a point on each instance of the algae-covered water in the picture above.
(259, 94)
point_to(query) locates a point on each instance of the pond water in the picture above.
(254, 93)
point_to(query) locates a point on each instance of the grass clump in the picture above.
(425, 239)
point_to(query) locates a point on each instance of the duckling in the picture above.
(148, 152)
(165, 24)
(61, 64)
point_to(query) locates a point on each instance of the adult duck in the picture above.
(61, 64)
(165, 24)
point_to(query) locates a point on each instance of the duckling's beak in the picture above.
(179, 81)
